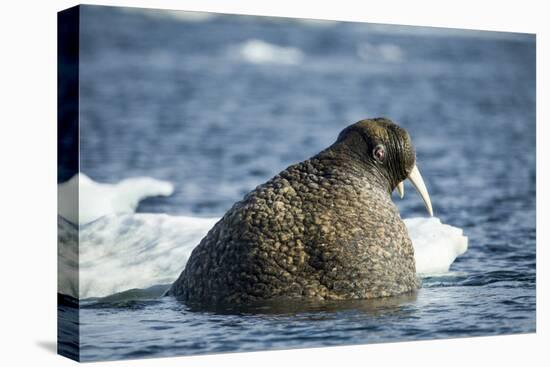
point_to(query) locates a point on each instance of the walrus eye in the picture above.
(379, 153)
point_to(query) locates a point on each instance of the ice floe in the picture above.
(115, 249)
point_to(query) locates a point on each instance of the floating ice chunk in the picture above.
(115, 252)
(125, 251)
(99, 199)
(121, 252)
(436, 245)
(261, 52)
(67, 258)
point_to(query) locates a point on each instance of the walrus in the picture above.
(325, 228)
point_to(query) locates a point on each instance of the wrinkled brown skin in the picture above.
(325, 228)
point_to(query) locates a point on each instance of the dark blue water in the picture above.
(177, 99)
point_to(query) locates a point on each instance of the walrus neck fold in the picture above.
(352, 157)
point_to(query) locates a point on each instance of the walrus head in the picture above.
(386, 150)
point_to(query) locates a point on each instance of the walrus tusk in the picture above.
(418, 183)
(401, 189)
